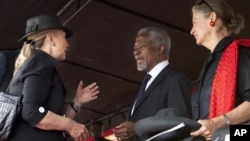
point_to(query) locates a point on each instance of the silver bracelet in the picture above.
(227, 121)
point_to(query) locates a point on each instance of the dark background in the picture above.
(101, 49)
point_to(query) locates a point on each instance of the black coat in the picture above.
(42, 89)
(201, 98)
(170, 89)
(7, 62)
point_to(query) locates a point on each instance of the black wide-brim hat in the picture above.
(44, 22)
(154, 128)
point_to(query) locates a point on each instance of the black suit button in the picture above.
(197, 105)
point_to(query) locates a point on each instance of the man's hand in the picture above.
(125, 131)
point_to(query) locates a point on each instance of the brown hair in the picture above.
(233, 22)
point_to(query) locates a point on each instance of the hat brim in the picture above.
(173, 134)
(68, 32)
(151, 126)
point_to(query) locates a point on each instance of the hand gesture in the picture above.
(87, 94)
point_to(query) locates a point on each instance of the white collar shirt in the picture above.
(155, 71)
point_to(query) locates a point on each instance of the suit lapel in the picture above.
(153, 85)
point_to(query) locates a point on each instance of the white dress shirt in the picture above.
(154, 73)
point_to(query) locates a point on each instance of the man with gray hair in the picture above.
(165, 87)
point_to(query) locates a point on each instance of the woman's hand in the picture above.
(79, 131)
(87, 94)
(207, 129)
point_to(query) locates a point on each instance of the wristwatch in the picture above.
(75, 107)
(227, 121)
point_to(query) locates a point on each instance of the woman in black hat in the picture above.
(35, 77)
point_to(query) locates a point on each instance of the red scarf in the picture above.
(224, 84)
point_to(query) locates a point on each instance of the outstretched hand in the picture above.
(86, 94)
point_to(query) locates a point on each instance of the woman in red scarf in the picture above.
(223, 94)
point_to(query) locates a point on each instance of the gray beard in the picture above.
(142, 67)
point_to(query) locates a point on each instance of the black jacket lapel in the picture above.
(153, 85)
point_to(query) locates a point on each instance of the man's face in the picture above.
(146, 55)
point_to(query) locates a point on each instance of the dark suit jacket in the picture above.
(7, 62)
(170, 89)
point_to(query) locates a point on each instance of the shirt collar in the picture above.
(222, 44)
(158, 68)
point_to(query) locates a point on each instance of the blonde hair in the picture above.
(34, 41)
